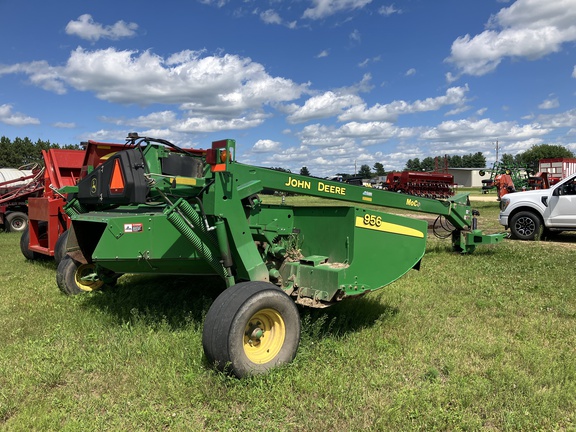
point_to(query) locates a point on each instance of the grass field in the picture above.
(479, 342)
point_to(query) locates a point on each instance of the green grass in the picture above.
(479, 342)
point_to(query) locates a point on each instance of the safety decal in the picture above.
(133, 227)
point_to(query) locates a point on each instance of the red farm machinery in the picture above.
(551, 171)
(507, 178)
(44, 236)
(16, 187)
(424, 184)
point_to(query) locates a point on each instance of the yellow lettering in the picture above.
(412, 203)
(331, 189)
(300, 184)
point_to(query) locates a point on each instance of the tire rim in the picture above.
(86, 285)
(264, 336)
(18, 223)
(525, 226)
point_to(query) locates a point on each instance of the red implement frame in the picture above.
(424, 184)
(62, 168)
(17, 197)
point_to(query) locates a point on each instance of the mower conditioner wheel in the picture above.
(250, 328)
(69, 277)
(60, 247)
(526, 225)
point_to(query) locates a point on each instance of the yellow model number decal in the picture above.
(376, 223)
(371, 220)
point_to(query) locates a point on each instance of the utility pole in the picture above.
(496, 150)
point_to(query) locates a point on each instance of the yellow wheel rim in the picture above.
(264, 336)
(84, 270)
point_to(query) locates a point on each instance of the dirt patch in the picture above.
(484, 197)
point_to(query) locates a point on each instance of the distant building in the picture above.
(468, 177)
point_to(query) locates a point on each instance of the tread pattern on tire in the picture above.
(220, 337)
(60, 247)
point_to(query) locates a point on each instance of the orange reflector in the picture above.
(223, 155)
(117, 180)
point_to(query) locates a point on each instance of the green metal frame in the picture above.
(216, 224)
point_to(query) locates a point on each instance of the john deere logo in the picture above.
(93, 186)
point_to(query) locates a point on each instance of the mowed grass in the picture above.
(479, 342)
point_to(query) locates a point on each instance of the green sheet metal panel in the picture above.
(365, 250)
(141, 242)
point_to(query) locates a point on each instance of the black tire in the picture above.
(526, 225)
(60, 247)
(238, 321)
(68, 277)
(16, 222)
(25, 242)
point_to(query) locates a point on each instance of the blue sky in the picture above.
(326, 84)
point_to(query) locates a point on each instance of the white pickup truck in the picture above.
(531, 214)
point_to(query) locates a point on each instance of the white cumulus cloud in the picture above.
(325, 105)
(323, 8)
(527, 29)
(85, 28)
(266, 146)
(549, 103)
(7, 116)
(390, 112)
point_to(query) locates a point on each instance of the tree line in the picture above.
(530, 158)
(476, 160)
(22, 152)
(527, 160)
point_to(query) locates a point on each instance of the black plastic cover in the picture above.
(94, 189)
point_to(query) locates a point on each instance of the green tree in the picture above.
(455, 161)
(281, 169)
(22, 151)
(507, 159)
(427, 164)
(365, 172)
(476, 160)
(304, 171)
(379, 169)
(530, 158)
(413, 165)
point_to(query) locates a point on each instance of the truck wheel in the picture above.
(69, 277)
(250, 328)
(60, 247)
(16, 222)
(525, 225)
